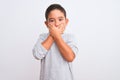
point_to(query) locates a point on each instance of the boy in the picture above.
(55, 49)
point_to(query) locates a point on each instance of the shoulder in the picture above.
(68, 37)
(43, 35)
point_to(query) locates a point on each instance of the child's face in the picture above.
(56, 18)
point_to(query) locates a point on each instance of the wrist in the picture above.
(57, 37)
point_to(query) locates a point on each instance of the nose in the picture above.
(57, 23)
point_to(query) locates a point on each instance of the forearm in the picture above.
(48, 42)
(65, 50)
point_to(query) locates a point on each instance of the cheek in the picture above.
(64, 24)
(51, 23)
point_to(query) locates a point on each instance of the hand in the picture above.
(62, 28)
(55, 31)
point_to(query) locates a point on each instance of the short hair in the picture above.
(53, 7)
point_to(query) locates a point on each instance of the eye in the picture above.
(51, 20)
(60, 19)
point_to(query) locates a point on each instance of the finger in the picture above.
(62, 27)
(49, 25)
(59, 26)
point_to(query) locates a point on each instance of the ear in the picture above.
(46, 23)
(67, 20)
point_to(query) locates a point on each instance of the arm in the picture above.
(65, 50)
(42, 46)
(48, 42)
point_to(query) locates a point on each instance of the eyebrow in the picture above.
(50, 18)
(53, 18)
(61, 17)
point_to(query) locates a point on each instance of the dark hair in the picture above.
(53, 7)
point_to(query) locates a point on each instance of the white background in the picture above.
(96, 23)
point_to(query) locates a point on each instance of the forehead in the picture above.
(56, 14)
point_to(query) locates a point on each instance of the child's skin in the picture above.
(56, 24)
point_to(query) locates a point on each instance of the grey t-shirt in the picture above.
(53, 65)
